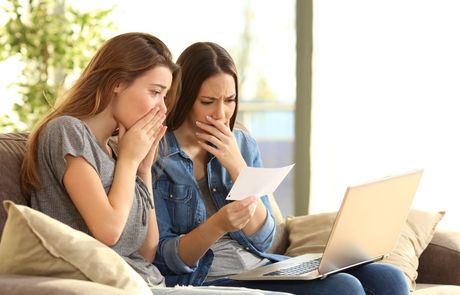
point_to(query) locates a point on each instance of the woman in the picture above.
(74, 174)
(204, 238)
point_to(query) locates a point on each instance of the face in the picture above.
(135, 100)
(216, 98)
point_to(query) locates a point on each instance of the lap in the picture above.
(340, 283)
(211, 290)
(373, 278)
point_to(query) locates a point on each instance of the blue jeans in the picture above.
(371, 279)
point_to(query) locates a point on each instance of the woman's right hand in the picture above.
(235, 215)
(135, 143)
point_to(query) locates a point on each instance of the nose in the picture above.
(219, 111)
(162, 106)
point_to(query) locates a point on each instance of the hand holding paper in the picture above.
(257, 182)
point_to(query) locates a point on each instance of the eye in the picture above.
(155, 92)
(206, 102)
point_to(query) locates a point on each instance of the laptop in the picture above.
(366, 229)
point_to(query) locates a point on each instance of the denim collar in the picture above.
(170, 146)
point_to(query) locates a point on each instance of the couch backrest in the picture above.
(12, 148)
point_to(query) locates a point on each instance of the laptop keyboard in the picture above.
(298, 269)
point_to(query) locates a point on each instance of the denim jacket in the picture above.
(180, 208)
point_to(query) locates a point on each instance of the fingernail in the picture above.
(198, 123)
(209, 118)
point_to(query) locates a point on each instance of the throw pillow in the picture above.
(35, 244)
(415, 237)
(309, 234)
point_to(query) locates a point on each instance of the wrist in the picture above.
(214, 226)
(236, 169)
(128, 164)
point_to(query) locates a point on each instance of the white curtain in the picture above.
(386, 92)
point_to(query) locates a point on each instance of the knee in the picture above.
(386, 278)
(343, 283)
(394, 276)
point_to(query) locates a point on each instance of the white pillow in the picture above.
(35, 244)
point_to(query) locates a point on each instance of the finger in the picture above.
(210, 129)
(146, 119)
(157, 120)
(241, 209)
(241, 219)
(221, 126)
(246, 202)
(155, 126)
(160, 134)
(209, 138)
(208, 148)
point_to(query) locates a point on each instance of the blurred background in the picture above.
(381, 95)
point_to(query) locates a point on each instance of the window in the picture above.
(385, 92)
(260, 36)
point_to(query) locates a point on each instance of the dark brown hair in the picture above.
(121, 59)
(198, 62)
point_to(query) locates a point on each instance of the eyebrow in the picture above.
(215, 98)
(159, 85)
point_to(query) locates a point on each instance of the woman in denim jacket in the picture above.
(203, 237)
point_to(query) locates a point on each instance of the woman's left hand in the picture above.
(218, 140)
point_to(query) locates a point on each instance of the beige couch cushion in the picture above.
(309, 234)
(426, 289)
(36, 244)
(40, 285)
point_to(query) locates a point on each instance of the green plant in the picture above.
(53, 41)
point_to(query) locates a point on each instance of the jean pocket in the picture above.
(178, 198)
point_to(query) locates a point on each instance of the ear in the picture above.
(118, 88)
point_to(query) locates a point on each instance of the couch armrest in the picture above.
(440, 262)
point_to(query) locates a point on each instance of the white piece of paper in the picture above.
(257, 182)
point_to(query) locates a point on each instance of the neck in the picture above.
(102, 126)
(185, 135)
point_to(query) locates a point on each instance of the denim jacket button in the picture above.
(170, 196)
(214, 189)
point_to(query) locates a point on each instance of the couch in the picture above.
(438, 270)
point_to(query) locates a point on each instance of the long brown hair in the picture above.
(198, 62)
(121, 59)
